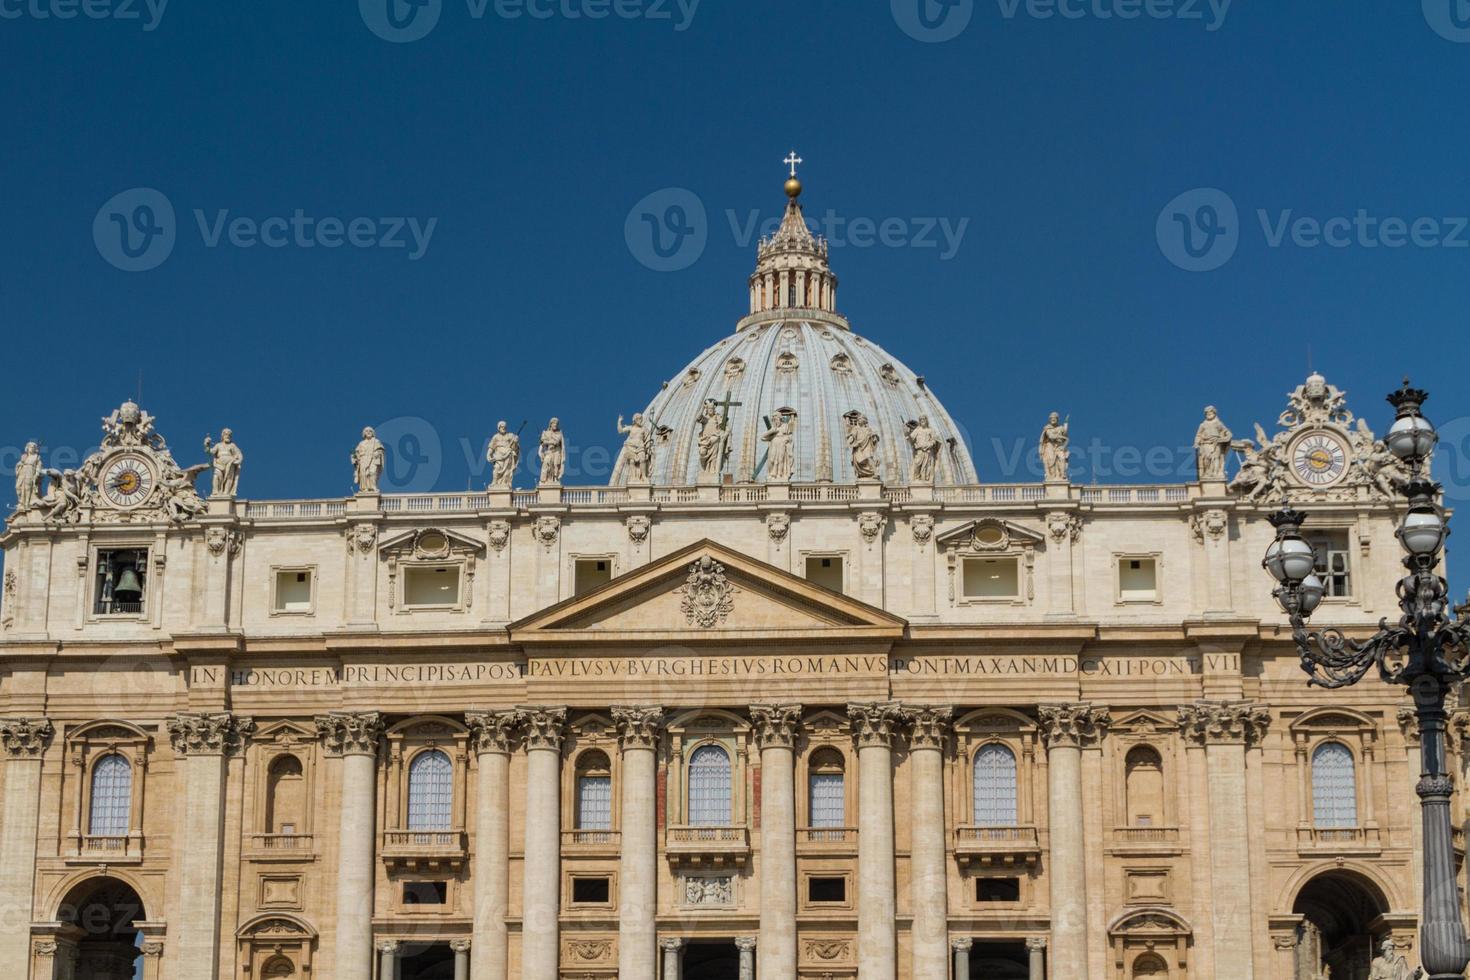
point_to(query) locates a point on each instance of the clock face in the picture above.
(127, 480)
(1319, 459)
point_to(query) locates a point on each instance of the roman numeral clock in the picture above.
(127, 480)
(1319, 459)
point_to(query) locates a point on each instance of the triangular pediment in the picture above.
(990, 534)
(708, 591)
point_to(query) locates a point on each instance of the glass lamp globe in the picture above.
(1422, 532)
(1411, 437)
(1309, 595)
(1289, 560)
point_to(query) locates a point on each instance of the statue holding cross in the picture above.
(714, 437)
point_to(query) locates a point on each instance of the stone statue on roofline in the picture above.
(503, 455)
(367, 461)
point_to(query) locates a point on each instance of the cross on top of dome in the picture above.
(791, 266)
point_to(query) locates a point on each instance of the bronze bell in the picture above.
(128, 587)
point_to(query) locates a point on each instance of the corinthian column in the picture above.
(354, 738)
(776, 728)
(638, 735)
(493, 737)
(203, 741)
(1066, 728)
(23, 742)
(1225, 729)
(929, 893)
(873, 726)
(541, 893)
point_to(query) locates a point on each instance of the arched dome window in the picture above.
(710, 787)
(1334, 786)
(995, 786)
(430, 791)
(112, 797)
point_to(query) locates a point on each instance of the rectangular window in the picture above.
(826, 890)
(1138, 579)
(825, 570)
(426, 893)
(591, 891)
(434, 586)
(594, 803)
(828, 800)
(293, 590)
(1333, 566)
(591, 573)
(122, 581)
(992, 578)
(997, 889)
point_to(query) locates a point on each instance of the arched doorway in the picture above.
(1338, 909)
(104, 910)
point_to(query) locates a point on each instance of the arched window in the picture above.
(826, 794)
(995, 786)
(1334, 786)
(1145, 786)
(285, 801)
(279, 968)
(709, 787)
(594, 792)
(430, 791)
(112, 797)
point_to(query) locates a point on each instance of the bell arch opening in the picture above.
(105, 912)
(1339, 910)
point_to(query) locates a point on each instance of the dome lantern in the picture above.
(791, 269)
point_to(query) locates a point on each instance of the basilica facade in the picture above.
(796, 696)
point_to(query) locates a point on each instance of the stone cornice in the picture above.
(24, 738)
(1073, 725)
(638, 728)
(544, 726)
(875, 724)
(929, 726)
(776, 725)
(350, 733)
(493, 732)
(1224, 722)
(216, 733)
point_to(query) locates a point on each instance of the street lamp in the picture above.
(1427, 650)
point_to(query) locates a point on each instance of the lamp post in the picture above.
(1426, 651)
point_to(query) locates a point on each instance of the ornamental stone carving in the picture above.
(349, 733)
(922, 526)
(828, 949)
(498, 535)
(638, 528)
(1211, 442)
(546, 530)
(228, 460)
(710, 891)
(874, 725)
(1054, 448)
(543, 726)
(1212, 524)
(1064, 526)
(11, 586)
(924, 442)
(1217, 722)
(504, 455)
(1035, 944)
(460, 945)
(871, 525)
(493, 731)
(367, 461)
(588, 950)
(219, 733)
(706, 598)
(778, 526)
(553, 453)
(776, 725)
(637, 448)
(1073, 725)
(1408, 720)
(862, 442)
(222, 539)
(638, 728)
(929, 726)
(389, 946)
(361, 538)
(961, 945)
(24, 738)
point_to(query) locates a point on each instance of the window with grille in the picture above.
(1333, 565)
(828, 803)
(594, 802)
(1334, 786)
(995, 786)
(430, 792)
(709, 787)
(112, 797)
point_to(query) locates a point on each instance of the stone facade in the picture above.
(883, 729)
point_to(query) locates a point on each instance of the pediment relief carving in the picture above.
(1145, 723)
(429, 544)
(990, 535)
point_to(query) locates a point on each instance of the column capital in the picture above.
(24, 738)
(776, 725)
(1224, 722)
(493, 732)
(671, 944)
(543, 726)
(460, 945)
(215, 733)
(874, 724)
(929, 726)
(350, 733)
(1073, 725)
(638, 727)
(153, 948)
(961, 945)
(391, 946)
(745, 944)
(1035, 944)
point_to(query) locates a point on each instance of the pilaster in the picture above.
(23, 742)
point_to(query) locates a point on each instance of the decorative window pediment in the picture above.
(991, 560)
(428, 544)
(430, 568)
(989, 535)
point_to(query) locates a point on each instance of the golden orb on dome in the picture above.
(793, 187)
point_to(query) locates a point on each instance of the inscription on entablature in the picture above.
(286, 678)
(762, 666)
(1044, 666)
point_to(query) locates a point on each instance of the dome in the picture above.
(795, 353)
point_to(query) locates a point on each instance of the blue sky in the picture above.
(489, 170)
